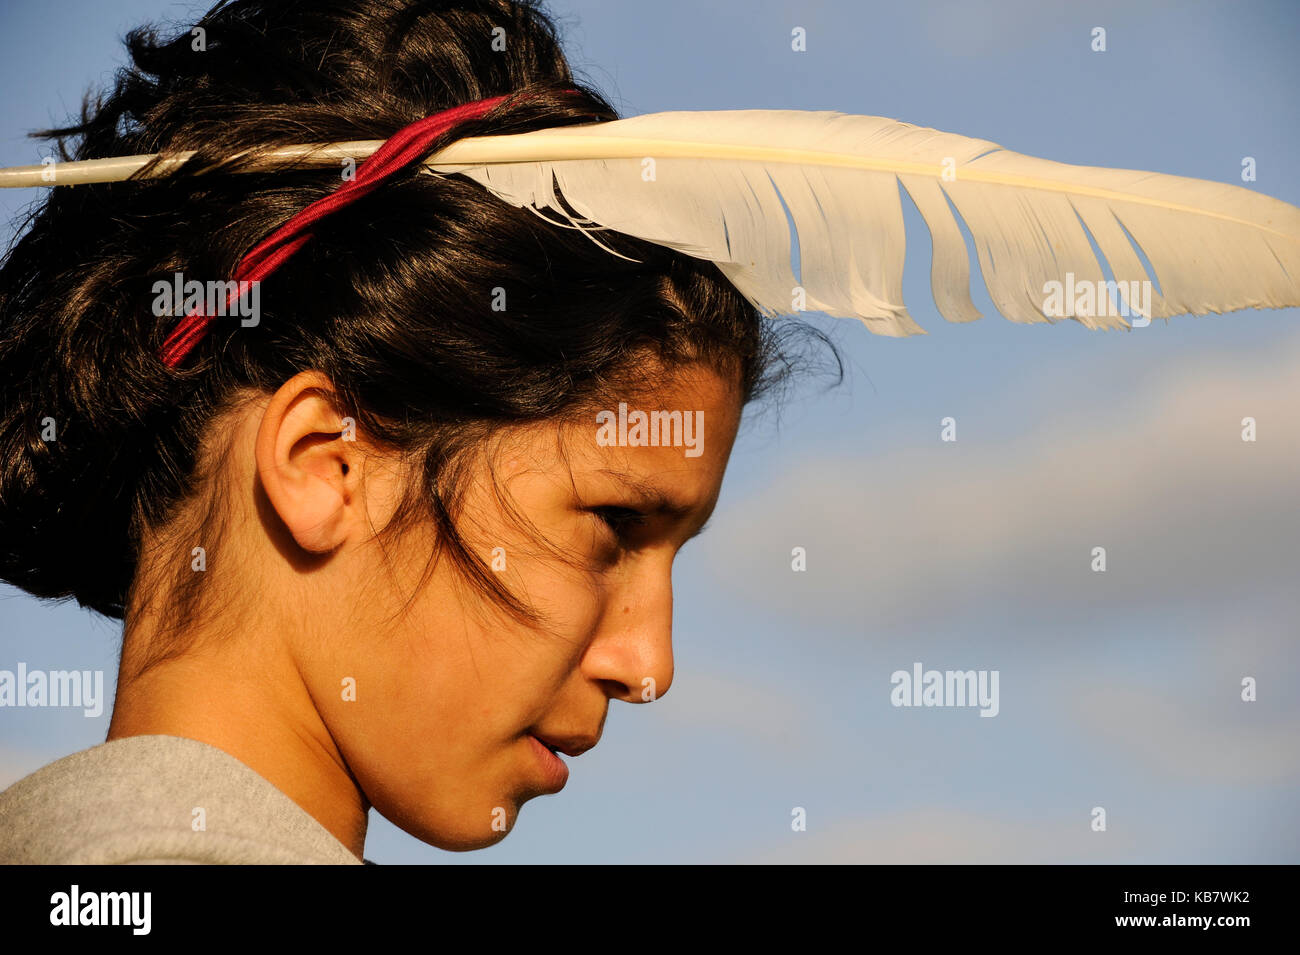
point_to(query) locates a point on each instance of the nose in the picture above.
(632, 653)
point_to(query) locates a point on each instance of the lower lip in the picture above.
(557, 774)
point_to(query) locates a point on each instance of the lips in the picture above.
(551, 766)
(568, 745)
(549, 745)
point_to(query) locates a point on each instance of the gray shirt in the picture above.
(134, 800)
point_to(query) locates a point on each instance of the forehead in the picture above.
(608, 450)
(679, 433)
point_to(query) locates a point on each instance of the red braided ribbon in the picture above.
(399, 151)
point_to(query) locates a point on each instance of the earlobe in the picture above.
(308, 471)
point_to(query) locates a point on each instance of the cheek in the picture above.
(430, 718)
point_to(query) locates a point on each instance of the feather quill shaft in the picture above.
(739, 187)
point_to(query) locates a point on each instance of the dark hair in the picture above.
(392, 300)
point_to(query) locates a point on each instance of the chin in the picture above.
(467, 842)
(452, 830)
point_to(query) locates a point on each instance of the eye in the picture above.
(621, 520)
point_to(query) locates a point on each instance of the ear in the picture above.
(310, 474)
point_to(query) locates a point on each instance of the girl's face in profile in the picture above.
(456, 701)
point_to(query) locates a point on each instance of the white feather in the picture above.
(723, 182)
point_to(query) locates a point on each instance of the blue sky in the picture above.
(1119, 689)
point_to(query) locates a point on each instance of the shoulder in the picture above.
(156, 799)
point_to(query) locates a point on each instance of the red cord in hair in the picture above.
(399, 151)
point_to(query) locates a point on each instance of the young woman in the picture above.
(369, 542)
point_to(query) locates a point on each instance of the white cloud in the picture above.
(1234, 743)
(935, 836)
(926, 535)
(769, 716)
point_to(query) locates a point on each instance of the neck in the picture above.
(256, 708)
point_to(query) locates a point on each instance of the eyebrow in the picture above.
(656, 501)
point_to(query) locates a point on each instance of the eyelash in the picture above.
(619, 519)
